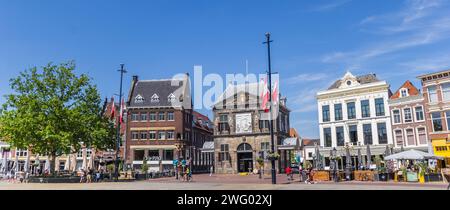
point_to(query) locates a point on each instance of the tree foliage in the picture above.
(53, 111)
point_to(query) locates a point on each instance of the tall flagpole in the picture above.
(272, 141)
(116, 168)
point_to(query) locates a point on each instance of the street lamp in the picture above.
(334, 159)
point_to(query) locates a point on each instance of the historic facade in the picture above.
(408, 119)
(161, 125)
(241, 130)
(436, 93)
(353, 113)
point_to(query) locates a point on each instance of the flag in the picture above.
(113, 109)
(275, 94)
(122, 109)
(265, 96)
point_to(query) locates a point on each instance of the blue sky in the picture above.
(315, 42)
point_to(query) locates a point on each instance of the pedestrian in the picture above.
(211, 170)
(90, 172)
(83, 176)
(97, 176)
(190, 174)
(288, 173)
(27, 176)
(300, 172)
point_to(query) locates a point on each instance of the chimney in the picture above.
(135, 78)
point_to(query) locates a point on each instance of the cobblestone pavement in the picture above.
(225, 182)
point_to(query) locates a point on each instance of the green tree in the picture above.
(53, 111)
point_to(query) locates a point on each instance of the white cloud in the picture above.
(419, 23)
(308, 77)
(330, 6)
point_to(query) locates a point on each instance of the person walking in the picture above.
(211, 169)
(288, 173)
(189, 174)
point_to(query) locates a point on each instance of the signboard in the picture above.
(244, 123)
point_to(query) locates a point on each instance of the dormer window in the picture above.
(171, 97)
(155, 98)
(404, 92)
(138, 99)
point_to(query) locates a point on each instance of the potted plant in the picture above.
(260, 162)
(144, 167)
(422, 170)
(273, 156)
(382, 173)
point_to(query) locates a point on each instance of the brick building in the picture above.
(409, 127)
(436, 93)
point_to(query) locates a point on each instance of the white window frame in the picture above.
(395, 137)
(417, 135)
(423, 114)
(429, 95)
(139, 99)
(154, 98)
(401, 92)
(414, 136)
(149, 136)
(393, 116)
(404, 115)
(132, 137)
(432, 123)
(442, 91)
(173, 114)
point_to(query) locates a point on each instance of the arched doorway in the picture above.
(244, 158)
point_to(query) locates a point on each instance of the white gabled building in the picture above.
(354, 112)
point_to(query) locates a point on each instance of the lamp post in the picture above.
(116, 162)
(272, 141)
(334, 159)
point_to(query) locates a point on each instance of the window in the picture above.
(161, 135)
(224, 154)
(379, 106)
(155, 98)
(134, 135)
(152, 135)
(396, 114)
(168, 155)
(134, 117)
(152, 116)
(171, 98)
(367, 132)
(153, 155)
(365, 108)
(340, 136)
(138, 99)
(351, 111)
(422, 135)
(338, 112)
(326, 113)
(161, 116)
(353, 133)
(410, 137)
(432, 94)
(445, 91)
(447, 116)
(419, 113)
(139, 154)
(399, 137)
(382, 133)
(310, 154)
(144, 135)
(403, 92)
(263, 124)
(170, 135)
(265, 146)
(327, 136)
(223, 123)
(407, 114)
(21, 153)
(170, 116)
(437, 121)
(143, 116)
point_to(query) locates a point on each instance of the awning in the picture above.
(208, 146)
(289, 144)
(412, 155)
